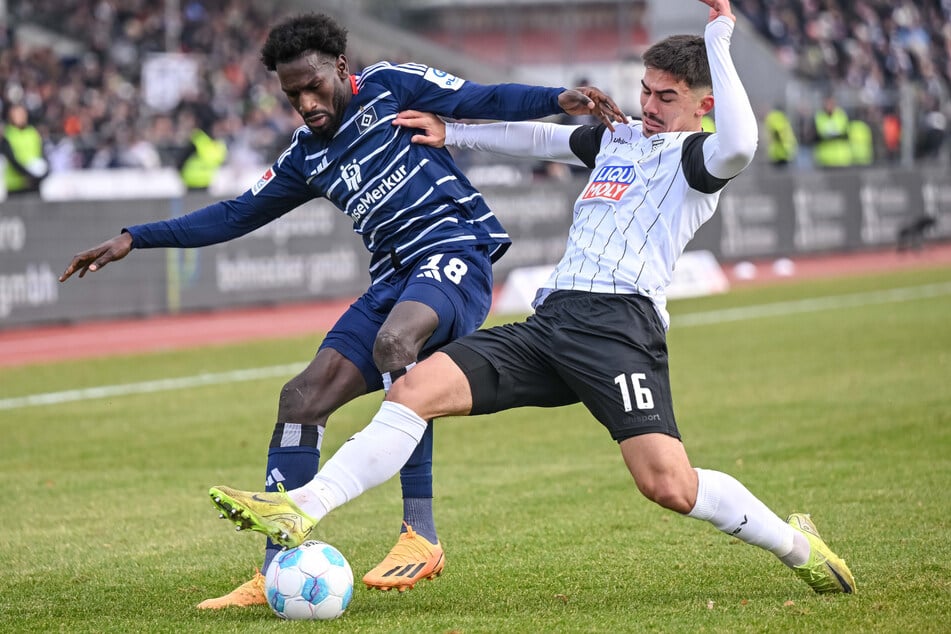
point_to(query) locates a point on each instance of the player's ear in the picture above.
(343, 66)
(706, 105)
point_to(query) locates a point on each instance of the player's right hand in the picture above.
(590, 100)
(433, 128)
(97, 257)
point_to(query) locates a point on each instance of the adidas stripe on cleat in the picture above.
(412, 558)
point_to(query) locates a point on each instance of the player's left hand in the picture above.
(718, 8)
(590, 100)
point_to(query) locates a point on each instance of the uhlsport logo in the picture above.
(264, 180)
(610, 181)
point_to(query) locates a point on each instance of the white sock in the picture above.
(369, 458)
(728, 505)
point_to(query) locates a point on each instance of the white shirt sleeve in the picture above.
(533, 139)
(730, 149)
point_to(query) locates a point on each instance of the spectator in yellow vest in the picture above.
(781, 142)
(22, 147)
(861, 142)
(205, 155)
(832, 147)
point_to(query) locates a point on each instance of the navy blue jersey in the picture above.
(405, 199)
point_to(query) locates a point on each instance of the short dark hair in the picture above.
(295, 36)
(684, 57)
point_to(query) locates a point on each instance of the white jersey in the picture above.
(646, 196)
(636, 215)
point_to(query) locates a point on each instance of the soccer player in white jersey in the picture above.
(598, 335)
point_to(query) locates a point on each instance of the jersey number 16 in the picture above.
(643, 399)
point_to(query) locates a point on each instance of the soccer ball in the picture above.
(312, 581)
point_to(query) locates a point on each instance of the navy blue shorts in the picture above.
(456, 283)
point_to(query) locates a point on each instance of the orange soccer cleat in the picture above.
(412, 558)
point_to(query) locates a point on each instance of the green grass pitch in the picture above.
(828, 397)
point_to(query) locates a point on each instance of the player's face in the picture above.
(318, 87)
(668, 105)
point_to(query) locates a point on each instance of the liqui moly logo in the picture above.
(610, 181)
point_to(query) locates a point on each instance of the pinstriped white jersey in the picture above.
(643, 202)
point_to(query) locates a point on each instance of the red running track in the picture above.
(23, 346)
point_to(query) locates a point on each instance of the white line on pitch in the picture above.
(710, 317)
(159, 385)
(811, 305)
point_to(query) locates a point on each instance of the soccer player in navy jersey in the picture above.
(598, 335)
(431, 237)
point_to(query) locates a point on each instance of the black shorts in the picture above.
(606, 351)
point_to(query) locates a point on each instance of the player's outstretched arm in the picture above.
(731, 148)
(97, 257)
(520, 139)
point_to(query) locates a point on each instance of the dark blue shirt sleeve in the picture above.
(279, 191)
(443, 94)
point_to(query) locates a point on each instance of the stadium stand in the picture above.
(883, 55)
(867, 45)
(101, 79)
(88, 98)
(878, 56)
(81, 67)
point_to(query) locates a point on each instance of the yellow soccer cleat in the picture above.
(273, 514)
(247, 594)
(824, 571)
(412, 558)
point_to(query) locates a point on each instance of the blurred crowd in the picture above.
(87, 100)
(88, 91)
(867, 49)
(867, 45)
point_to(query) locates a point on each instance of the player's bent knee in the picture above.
(391, 351)
(434, 388)
(410, 393)
(300, 402)
(668, 494)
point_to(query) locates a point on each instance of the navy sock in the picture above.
(416, 478)
(292, 461)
